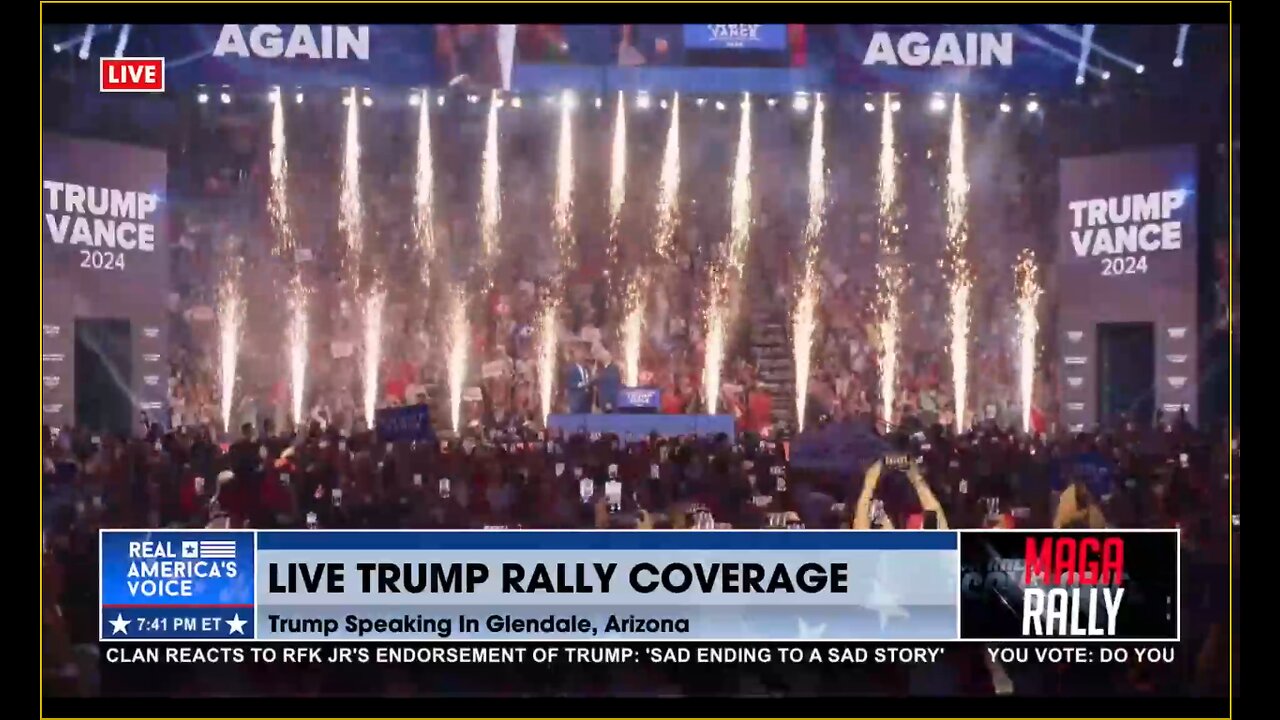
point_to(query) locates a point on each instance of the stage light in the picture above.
(895, 106)
(499, 102)
(1106, 74)
(1033, 106)
(415, 99)
(801, 103)
(274, 95)
(1177, 62)
(662, 104)
(719, 105)
(1140, 69)
(225, 98)
(700, 102)
(298, 98)
(937, 104)
(346, 100)
(599, 102)
(869, 106)
(1005, 107)
(773, 102)
(440, 100)
(202, 98)
(473, 99)
(367, 101)
(1079, 79)
(1182, 45)
(515, 102)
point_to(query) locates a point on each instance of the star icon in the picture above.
(236, 624)
(882, 599)
(810, 632)
(119, 625)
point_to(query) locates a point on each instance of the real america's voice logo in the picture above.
(165, 568)
(176, 584)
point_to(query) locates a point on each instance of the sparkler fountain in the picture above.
(804, 320)
(726, 274)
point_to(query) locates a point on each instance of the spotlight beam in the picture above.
(1063, 31)
(1086, 44)
(1180, 53)
(123, 41)
(87, 41)
(1048, 47)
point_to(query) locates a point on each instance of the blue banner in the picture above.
(735, 37)
(410, 423)
(176, 584)
(846, 447)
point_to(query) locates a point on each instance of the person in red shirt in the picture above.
(672, 402)
(759, 410)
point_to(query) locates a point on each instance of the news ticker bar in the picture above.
(595, 585)
(622, 653)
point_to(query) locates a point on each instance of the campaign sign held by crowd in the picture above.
(843, 446)
(411, 423)
(176, 585)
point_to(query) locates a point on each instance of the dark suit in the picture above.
(578, 388)
(608, 384)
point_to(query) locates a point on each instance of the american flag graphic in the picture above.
(209, 549)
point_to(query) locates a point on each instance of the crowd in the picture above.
(323, 478)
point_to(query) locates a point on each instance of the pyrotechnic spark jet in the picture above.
(740, 210)
(617, 177)
(562, 219)
(459, 337)
(890, 273)
(726, 275)
(278, 202)
(371, 353)
(667, 216)
(231, 312)
(424, 189)
(491, 190)
(547, 349)
(351, 210)
(715, 357)
(1026, 275)
(804, 321)
(633, 331)
(961, 279)
(298, 348)
(669, 186)
(890, 279)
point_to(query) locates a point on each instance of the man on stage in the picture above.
(578, 382)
